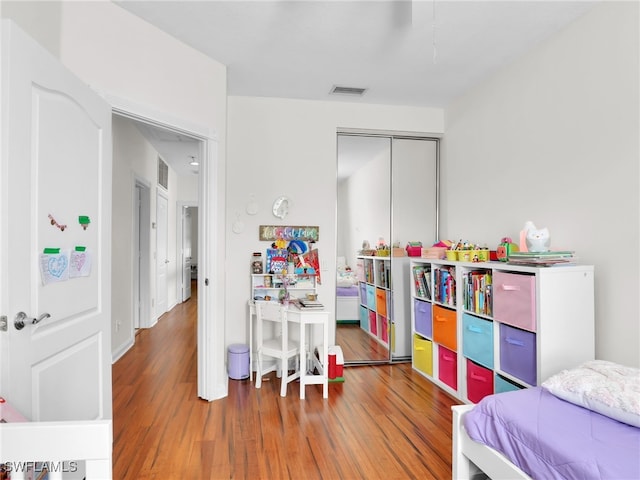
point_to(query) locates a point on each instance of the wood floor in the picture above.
(357, 345)
(383, 422)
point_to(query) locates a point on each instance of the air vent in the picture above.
(163, 174)
(355, 91)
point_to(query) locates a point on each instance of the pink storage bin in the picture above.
(448, 367)
(479, 382)
(514, 299)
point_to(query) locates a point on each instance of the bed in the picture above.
(347, 310)
(582, 423)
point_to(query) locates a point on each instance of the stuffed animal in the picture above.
(537, 239)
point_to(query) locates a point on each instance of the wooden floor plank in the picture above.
(385, 422)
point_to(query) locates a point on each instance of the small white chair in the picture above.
(280, 347)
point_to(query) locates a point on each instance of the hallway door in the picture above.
(55, 238)
(162, 252)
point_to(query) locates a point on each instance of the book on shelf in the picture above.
(541, 258)
(422, 279)
(304, 303)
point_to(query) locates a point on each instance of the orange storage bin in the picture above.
(444, 327)
(381, 301)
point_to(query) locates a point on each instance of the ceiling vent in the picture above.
(354, 91)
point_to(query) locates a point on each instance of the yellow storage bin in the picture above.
(423, 355)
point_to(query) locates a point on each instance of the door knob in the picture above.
(18, 322)
(21, 317)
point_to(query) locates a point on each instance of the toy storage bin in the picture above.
(414, 251)
(518, 353)
(448, 367)
(363, 293)
(381, 301)
(371, 297)
(422, 315)
(477, 339)
(238, 361)
(444, 327)
(501, 385)
(479, 382)
(465, 255)
(384, 328)
(364, 318)
(514, 299)
(373, 323)
(423, 355)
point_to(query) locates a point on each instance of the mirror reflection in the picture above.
(387, 196)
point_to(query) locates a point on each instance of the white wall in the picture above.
(554, 138)
(126, 58)
(279, 146)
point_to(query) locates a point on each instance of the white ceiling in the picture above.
(419, 53)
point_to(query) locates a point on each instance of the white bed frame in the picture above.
(347, 308)
(471, 459)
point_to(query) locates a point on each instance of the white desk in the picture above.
(308, 361)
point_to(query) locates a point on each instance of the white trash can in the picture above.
(238, 361)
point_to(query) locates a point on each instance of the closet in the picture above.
(388, 192)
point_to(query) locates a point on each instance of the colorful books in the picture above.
(422, 279)
(444, 281)
(276, 260)
(478, 291)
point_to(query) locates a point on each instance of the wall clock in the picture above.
(281, 207)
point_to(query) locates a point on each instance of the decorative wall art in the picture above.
(276, 232)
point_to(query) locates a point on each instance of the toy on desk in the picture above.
(505, 248)
(534, 239)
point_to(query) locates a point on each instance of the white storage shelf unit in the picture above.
(384, 302)
(503, 326)
(267, 286)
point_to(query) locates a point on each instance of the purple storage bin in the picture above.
(518, 353)
(363, 293)
(422, 315)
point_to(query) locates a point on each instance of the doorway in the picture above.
(187, 249)
(162, 253)
(141, 255)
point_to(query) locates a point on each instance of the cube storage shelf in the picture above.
(268, 286)
(491, 327)
(384, 302)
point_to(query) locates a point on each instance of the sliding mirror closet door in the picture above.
(363, 215)
(387, 190)
(414, 218)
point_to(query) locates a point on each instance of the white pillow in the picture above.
(604, 387)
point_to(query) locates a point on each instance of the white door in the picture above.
(186, 253)
(55, 174)
(162, 238)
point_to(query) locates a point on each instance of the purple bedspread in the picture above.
(547, 437)
(347, 291)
